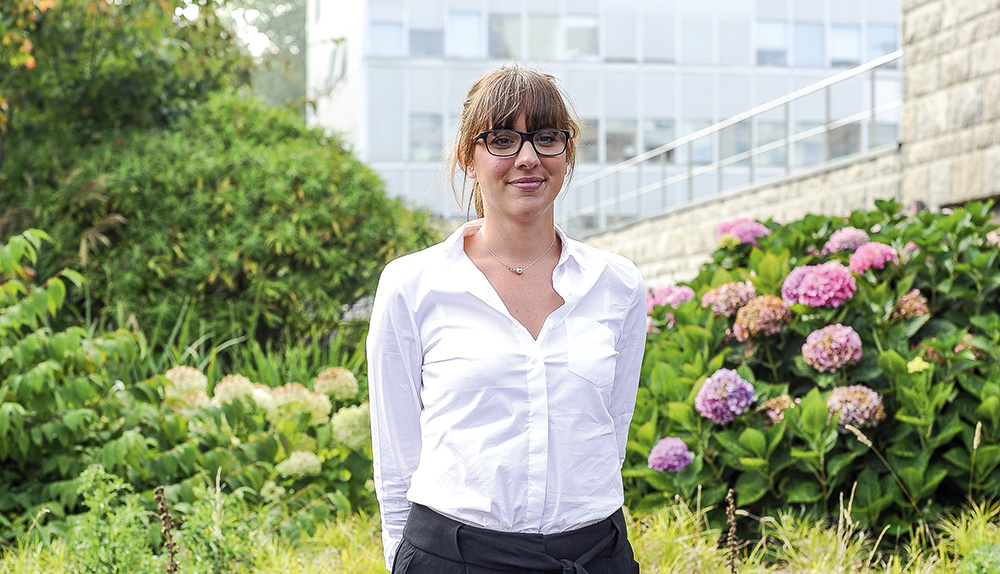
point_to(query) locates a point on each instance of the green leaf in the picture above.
(754, 442)
(805, 491)
(750, 487)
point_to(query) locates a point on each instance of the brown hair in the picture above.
(495, 101)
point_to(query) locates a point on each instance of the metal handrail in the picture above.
(598, 207)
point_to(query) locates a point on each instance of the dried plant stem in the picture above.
(167, 529)
(975, 449)
(867, 442)
(732, 543)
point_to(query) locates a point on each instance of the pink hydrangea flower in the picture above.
(726, 299)
(873, 255)
(826, 285)
(723, 396)
(832, 347)
(845, 239)
(910, 306)
(857, 405)
(774, 408)
(993, 238)
(743, 229)
(673, 295)
(670, 454)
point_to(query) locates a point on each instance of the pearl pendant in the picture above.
(519, 270)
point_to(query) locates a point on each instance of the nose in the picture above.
(526, 156)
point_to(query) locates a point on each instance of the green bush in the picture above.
(235, 213)
(897, 409)
(62, 409)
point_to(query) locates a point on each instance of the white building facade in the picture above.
(390, 75)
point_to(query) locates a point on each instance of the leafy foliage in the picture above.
(63, 409)
(252, 222)
(102, 64)
(932, 359)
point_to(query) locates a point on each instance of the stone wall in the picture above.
(950, 150)
(951, 100)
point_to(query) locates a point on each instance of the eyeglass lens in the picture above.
(508, 142)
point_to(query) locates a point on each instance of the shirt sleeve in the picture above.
(394, 380)
(631, 346)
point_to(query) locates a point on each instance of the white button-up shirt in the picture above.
(476, 419)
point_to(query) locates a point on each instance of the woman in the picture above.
(504, 363)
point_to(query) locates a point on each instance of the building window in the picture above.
(657, 132)
(620, 139)
(581, 38)
(387, 40)
(465, 36)
(700, 151)
(845, 140)
(807, 38)
(882, 39)
(426, 43)
(845, 46)
(696, 42)
(620, 38)
(658, 39)
(770, 132)
(734, 43)
(589, 134)
(318, 5)
(772, 46)
(543, 37)
(505, 36)
(735, 140)
(426, 137)
(811, 150)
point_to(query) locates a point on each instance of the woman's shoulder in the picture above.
(595, 257)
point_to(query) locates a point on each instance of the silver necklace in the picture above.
(518, 270)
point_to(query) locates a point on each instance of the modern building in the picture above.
(390, 75)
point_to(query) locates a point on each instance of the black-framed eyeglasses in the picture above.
(507, 143)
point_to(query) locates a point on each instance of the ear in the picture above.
(470, 170)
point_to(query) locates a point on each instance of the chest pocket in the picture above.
(591, 350)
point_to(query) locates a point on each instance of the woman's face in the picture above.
(520, 187)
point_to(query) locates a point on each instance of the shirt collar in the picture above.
(455, 244)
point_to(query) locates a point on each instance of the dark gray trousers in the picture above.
(435, 544)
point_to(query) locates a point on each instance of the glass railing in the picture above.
(853, 112)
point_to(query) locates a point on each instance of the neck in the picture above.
(518, 241)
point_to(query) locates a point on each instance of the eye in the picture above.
(503, 139)
(547, 138)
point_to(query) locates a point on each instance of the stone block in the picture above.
(991, 97)
(955, 66)
(965, 104)
(921, 22)
(985, 57)
(991, 171)
(967, 176)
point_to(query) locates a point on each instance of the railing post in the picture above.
(827, 114)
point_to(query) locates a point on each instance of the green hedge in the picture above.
(260, 225)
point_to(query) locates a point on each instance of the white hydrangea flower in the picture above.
(293, 398)
(183, 381)
(300, 464)
(338, 382)
(230, 387)
(352, 426)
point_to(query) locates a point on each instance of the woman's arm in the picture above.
(631, 346)
(394, 366)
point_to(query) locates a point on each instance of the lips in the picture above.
(526, 183)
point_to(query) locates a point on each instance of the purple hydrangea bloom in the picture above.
(743, 229)
(832, 347)
(673, 295)
(858, 406)
(845, 239)
(726, 299)
(827, 285)
(723, 396)
(670, 454)
(873, 255)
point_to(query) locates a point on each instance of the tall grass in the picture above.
(675, 539)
